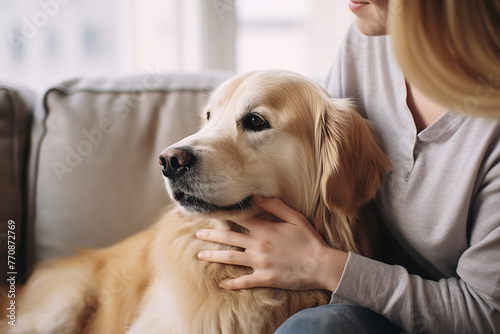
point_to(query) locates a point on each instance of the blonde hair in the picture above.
(450, 50)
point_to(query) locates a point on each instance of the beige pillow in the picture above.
(98, 177)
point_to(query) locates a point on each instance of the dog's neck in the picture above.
(336, 228)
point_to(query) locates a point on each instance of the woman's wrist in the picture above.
(334, 266)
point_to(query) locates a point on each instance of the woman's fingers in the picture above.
(279, 209)
(239, 283)
(226, 256)
(225, 237)
(259, 278)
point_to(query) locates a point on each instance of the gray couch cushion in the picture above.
(16, 106)
(98, 178)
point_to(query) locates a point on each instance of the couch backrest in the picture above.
(95, 146)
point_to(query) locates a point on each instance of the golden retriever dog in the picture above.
(268, 133)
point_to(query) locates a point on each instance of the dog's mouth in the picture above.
(196, 204)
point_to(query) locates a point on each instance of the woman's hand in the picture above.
(287, 255)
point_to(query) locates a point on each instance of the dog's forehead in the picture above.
(270, 89)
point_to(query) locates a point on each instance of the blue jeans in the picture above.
(337, 318)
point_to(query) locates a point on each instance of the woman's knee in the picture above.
(336, 318)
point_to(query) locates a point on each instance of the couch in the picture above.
(79, 163)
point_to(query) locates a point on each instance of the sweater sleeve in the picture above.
(414, 304)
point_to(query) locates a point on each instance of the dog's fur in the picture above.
(313, 152)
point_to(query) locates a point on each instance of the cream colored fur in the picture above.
(318, 155)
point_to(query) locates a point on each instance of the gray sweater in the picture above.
(440, 204)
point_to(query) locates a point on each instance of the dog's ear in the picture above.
(351, 163)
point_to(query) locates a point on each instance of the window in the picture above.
(46, 41)
(51, 40)
(272, 34)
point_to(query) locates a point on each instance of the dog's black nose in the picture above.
(176, 161)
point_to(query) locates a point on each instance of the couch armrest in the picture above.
(16, 105)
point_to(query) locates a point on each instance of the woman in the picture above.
(440, 205)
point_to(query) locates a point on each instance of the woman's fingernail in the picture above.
(200, 234)
(201, 255)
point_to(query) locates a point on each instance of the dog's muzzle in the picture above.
(176, 161)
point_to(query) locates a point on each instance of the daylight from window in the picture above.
(46, 41)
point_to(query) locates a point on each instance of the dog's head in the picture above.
(276, 134)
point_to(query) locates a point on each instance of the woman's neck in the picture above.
(424, 111)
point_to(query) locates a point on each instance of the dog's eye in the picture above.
(257, 121)
(208, 115)
(254, 122)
